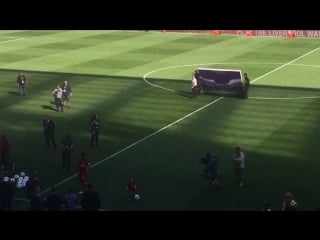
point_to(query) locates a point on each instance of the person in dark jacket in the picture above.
(36, 201)
(67, 147)
(22, 84)
(53, 202)
(5, 153)
(246, 86)
(32, 185)
(211, 163)
(6, 194)
(288, 203)
(90, 200)
(48, 129)
(67, 93)
(94, 130)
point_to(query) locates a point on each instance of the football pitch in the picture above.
(139, 83)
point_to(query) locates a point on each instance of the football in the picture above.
(137, 197)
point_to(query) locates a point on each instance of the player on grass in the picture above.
(238, 158)
(83, 168)
(132, 188)
(246, 86)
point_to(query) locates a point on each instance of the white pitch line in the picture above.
(21, 199)
(304, 65)
(286, 64)
(284, 98)
(8, 37)
(12, 40)
(195, 64)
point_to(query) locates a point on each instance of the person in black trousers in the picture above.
(54, 201)
(246, 86)
(6, 194)
(22, 84)
(67, 147)
(48, 129)
(95, 126)
(90, 200)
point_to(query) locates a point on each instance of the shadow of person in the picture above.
(48, 107)
(13, 93)
(184, 94)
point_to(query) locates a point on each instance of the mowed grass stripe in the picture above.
(65, 58)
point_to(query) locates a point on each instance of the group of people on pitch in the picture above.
(195, 87)
(211, 171)
(62, 96)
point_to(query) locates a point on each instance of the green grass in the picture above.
(105, 69)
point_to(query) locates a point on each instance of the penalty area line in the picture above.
(12, 40)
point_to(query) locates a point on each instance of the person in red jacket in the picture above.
(5, 152)
(83, 168)
(132, 189)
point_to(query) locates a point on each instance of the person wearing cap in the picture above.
(246, 86)
(288, 203)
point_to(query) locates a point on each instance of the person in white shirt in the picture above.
(194, 85)
(22, 84)
(238, 158)
(57, 93)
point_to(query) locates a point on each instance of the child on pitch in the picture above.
(132, 190)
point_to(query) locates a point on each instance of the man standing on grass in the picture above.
(246, 86)
(90, 200)
(288, 203)
(194, 85)
(6, 194)
(22, 84)
(238, 158)
(67, 93)
(83, 168)
(95, 127)
(5, 152)
(132, 188)
(67, 147)
(48, 129)
(57, 93)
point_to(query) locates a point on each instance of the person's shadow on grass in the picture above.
(48, 107)
(13, 93)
